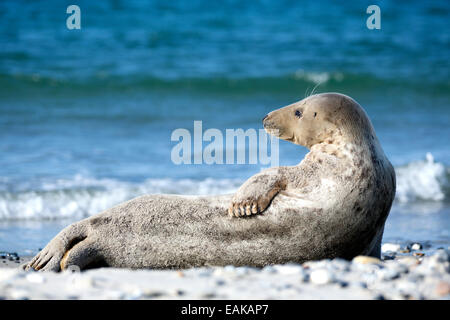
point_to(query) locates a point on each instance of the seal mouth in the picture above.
(272, 131)
(279, 134)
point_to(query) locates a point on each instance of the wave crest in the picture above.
(422, 180)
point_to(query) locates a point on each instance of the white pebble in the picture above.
(135, 294)
(321, 276)
(416, 246)
(269, 269)
(19, 294)
(393, 247)
(289, 269)
(113, 295)
(242, 271)
(35, 278)
(388, 274)
(79, 281)
(229, 268)
(10, 274)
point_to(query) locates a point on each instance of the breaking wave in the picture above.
(424, 180)
(82, 197)
(79, 197)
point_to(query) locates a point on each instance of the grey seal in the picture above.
(334, 203)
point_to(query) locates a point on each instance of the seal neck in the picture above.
(345, 148)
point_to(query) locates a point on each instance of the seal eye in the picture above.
(298, 113)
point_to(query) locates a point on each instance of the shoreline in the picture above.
(12, 260)
(396, 276)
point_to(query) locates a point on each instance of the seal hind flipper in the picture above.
(80, 255)
(48, 259)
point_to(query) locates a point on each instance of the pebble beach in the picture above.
(404, 272)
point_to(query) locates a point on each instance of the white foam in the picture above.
(84, 196)
(318, 77)
(422, 180)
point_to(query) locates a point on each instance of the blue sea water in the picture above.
(86, 115)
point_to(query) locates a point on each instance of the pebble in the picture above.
(135, 294)
(152, 293)
(393, 247)
(178, 292)
(269, 269)
(114, 295)
(321, 276)
(227, 270)
(10, 274)
(81, 281)
(408, 260)
(389, 256)
(19, 294)
(242, 271)
(442, 288)
(202, 272)
(416, 246)
(180, 274)
(208, 294)
(220, 282)
(442, 255)
(289, 269)
(35, 278)
(340, 265)
(414, 277)
(366, 260)
(401, 268)
(388, 274)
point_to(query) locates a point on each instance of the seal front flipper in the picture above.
(255, 195)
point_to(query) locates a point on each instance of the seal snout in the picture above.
(271, 126)
(267, 123)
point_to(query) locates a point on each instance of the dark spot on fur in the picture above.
(360, 163)
(364, 173)
(99, 220)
